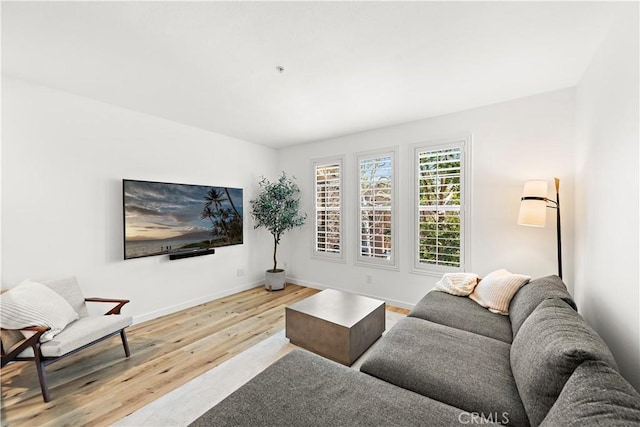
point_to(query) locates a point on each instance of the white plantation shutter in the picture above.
(376, 213)
(328, 208)
(440, 207)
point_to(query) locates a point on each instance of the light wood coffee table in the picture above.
(334, 324)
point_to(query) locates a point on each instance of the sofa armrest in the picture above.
(114, 310)
(32, 341)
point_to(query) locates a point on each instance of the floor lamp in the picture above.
(533, 209)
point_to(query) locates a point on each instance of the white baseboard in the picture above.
(396, 303)
(207, 298)
(192, 303)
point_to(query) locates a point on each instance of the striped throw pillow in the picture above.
(497, 288)
(34, 304)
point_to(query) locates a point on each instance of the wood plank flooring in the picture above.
(99, 386)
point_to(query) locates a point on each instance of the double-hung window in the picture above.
(441, 196)
(377, 208)
(328, 242)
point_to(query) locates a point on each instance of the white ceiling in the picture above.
(349, 66)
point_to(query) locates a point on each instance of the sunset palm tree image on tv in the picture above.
(164, 218)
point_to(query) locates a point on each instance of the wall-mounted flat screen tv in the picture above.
(164, 218)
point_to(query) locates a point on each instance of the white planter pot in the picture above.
(274, 280)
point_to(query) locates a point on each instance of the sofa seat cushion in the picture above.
(595, 395)
(462, 313)
(303, 389)
(457, 367)
(532, 294)
(81, 332)
(550, 345)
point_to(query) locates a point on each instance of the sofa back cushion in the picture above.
(595, 395)
(69, 289)
(550, 345)
(462, 313)
(532, 294)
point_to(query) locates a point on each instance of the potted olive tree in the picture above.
(277, 208)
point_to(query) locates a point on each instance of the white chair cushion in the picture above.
(34, 304)
(81, 332)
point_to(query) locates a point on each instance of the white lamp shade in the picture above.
(534, 212)
(535, 189)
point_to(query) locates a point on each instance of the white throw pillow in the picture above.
(497, 288)
(34, 304)
(460, 284)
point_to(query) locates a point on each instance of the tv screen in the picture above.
(164, 218)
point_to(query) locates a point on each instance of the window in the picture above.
(328, 208)
(376, 213)
(440, 207)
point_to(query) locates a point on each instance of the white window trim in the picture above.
(392, 263)
(327, 256)
(464, 142)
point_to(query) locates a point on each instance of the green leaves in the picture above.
(277, 208)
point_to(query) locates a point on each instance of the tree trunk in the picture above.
(275, 248)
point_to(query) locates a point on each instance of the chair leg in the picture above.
(125, 343)
(42, 374)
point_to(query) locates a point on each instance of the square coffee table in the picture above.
(335, 324)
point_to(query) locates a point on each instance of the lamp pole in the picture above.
(557, 207)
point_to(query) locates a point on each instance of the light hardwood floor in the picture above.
(99, 386)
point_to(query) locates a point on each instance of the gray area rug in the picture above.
(184, 405)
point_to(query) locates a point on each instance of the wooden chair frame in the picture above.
(41, 361)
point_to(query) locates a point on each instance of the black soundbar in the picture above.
(180, 255)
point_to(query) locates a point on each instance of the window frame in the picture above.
(464, 143)
(392, 262)
(322, 255)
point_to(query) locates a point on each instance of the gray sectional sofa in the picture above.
(452, 362)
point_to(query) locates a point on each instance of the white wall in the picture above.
(529, 138)
(607, 286)
(64, 158)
